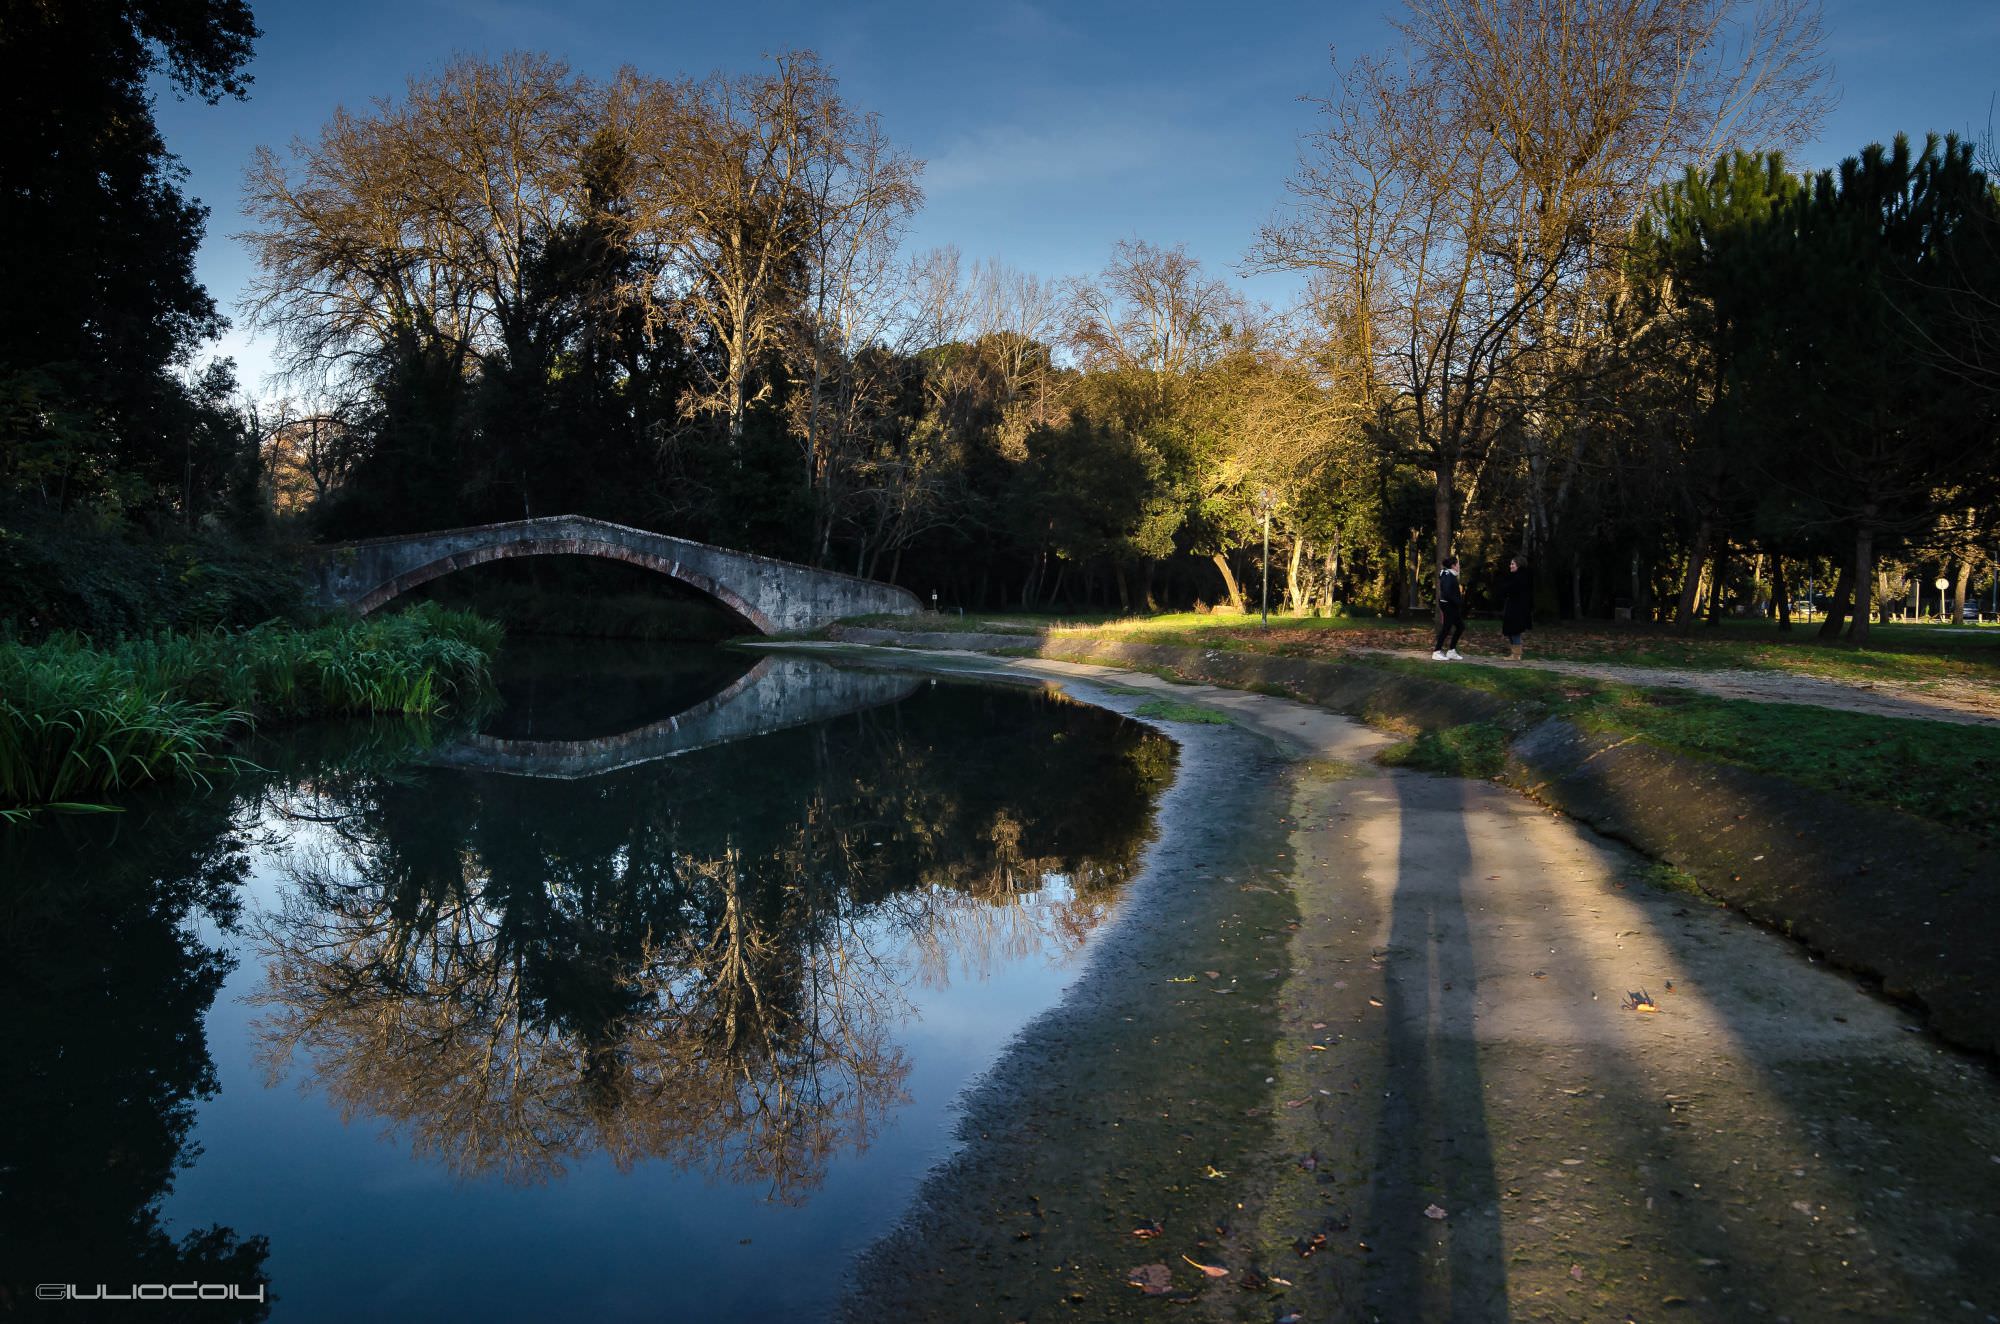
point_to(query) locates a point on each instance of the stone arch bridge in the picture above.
(774, 596)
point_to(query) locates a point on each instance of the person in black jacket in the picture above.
(1451, 613)
(1517, 605)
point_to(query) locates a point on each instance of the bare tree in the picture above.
(773, 174)
(412, 226)
(1460, 200)
(1152, 311)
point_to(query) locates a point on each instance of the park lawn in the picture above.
(1903, 655)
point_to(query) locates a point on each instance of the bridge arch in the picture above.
(507, 551)
(772, 595)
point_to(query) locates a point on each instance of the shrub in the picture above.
(78, 721)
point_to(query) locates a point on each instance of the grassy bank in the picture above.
(79, 722)
(1900, 654)
(1943, 774)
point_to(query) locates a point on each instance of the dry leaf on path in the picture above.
(1152, 1279)
(1212, 1270)
(1432, 1211)
(1149, 1229)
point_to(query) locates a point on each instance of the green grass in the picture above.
(1948, 774)
(1897, 654)
(1669, 878)
(971, 623)
(1172, 710)
(78, 722)
(1476, 749)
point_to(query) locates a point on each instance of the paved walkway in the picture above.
(1965, 703)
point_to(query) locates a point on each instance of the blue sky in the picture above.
(1051, 131)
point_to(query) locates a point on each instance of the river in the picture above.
(648, 994)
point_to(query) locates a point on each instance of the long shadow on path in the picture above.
(1433, 1149)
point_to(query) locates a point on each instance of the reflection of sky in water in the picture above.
(359, 1229)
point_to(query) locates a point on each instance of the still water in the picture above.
(648, 997)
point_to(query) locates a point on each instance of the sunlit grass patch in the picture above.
(1172, 710)
(1475, 749)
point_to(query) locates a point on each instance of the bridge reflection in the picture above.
(765, 695)
(708, 961)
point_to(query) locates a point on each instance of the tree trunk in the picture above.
(1718, 584)
(1864, 580)
(1124, 591)
(1781, 593)
(1228, 580)
(1146, 588)
(1964, 582)
(1836, 610)
(1691, 582)
(1447, 475)
(1295, 598)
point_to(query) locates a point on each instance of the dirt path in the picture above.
(1426, 1065)
(1963, 702)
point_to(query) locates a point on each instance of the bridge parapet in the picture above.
(774, 596)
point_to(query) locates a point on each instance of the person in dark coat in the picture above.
(1451, 612)
(1517, 605)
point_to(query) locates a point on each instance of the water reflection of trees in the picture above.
(105, 979)
(704, 960)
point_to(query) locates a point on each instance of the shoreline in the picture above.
(1425, 1015)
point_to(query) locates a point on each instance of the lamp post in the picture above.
(1265, 500)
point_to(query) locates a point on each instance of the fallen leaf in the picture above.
(1576, 1272)
(1319, 1025)
(1317, 1048)
(1374, 1002)
(1152, 1279)
(1252, 1281)
(1305, 1246)
(1297, 1103)
(1149, 1229)
(1181, 979)
(1432, 1211)
(1212, 1270)
(1310, 1162)
(1212, 1172)
(1639, 1000)
(1213, 974)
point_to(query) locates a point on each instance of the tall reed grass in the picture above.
(77, 722)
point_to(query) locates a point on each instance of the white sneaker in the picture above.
(1453, 656)
(1437, 656)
